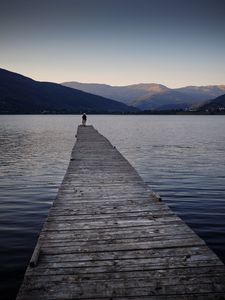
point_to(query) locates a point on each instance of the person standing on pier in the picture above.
(84, 119)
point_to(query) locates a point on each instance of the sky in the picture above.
(118, 42)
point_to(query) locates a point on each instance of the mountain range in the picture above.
(152, 96)
(20, 94)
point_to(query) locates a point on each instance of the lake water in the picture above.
(180, 157)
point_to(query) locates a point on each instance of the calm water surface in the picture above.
(180, 157)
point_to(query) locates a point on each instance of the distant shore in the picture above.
(166, 112)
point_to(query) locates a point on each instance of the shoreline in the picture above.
(122, 113)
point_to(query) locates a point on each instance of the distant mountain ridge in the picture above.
(20, 94)
(153, 96)
(125, 94)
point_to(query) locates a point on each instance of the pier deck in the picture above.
(108, 237)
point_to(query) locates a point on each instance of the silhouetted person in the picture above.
(84, 119)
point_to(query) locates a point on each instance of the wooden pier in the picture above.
(108, 237)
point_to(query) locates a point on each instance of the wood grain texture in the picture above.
(107, 236)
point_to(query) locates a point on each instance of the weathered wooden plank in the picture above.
(122, 241)
(185, 252)
(108, 237)
(110, 216)
(125, 265)
(127, 282)
(186, 272)
(87, 209)
(58, 290)
(123, 247)
(79, 225)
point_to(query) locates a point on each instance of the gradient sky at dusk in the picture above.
(173, 42)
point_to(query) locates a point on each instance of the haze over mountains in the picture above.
(20, 94)
(152, 96)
